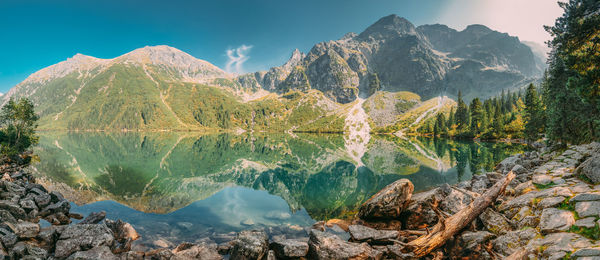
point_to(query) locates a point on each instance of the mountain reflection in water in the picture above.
(186, 185)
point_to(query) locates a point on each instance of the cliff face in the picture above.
(429, 60)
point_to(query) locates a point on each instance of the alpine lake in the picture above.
(183, 186)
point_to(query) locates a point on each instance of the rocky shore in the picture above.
(541, 204)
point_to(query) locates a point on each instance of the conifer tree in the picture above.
(462, 114)
(534, 118)
(477, 115)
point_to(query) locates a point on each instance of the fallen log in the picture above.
(448, 227)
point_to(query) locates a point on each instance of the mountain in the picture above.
(163, 88)
(394, 55)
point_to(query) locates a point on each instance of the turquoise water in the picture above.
(185, 187)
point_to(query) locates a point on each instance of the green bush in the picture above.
(18, 121)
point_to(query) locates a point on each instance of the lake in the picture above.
(178, 187)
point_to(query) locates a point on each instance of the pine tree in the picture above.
(477, 116)
(498, 121)
(462, 114)
(534, 120)
(440, 125)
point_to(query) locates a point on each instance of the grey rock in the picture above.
(479, 184)
(82, 237)
(94, 218)
(389, 202)
(28, 205)
(100, 252)
(495, 222)
(7, 238)
(553, 220)
(62, 206)
(588, 222)
(590, 168)
(508, 163)
(550, 202)
(511, 241)
(583, 252)
(26, 229)
(13, 208)
(250, 245)
(555, 243)
(366, 234)
(588, 208)
(326, 246)
(195, 251)
(42, 200)
(289, 248)
(470, 240)
(527, 198)
(159, 254)
(585, 197)
(5, 216)
(519, 169)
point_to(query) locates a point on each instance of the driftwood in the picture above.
(448, 227)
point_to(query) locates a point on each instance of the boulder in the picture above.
(94, 218)
(586, 252)
(507, 164)
(250, 244)
(122, 230)
(470, 240)
(7, 237)
(589, 222)
(26, 229)
(195, 251)
(527, 198)
(62, 206)
(495, 222)
(389, 202)
(555, 220)
(550, 202)
(366, 234)
(100, 252)
(81, 237)
(159, 254)
(557, 243)
(519, 169)
(588, 208)
(289, 248)
(5, 216)
(326, 246)
(590, 168)
(585, 197)
(448, 199)
(511, 241)
(13, 208)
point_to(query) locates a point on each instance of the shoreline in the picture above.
(382, 229)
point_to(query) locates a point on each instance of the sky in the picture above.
(236, 35)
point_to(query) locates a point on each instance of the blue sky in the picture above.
(37, 34)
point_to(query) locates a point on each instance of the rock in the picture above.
(343, 224)
(554, 220)
(161, 243)
(132, 255)
(28, 250)
(542, 179)
(470, 240)
(512, 240)
(94, 218)
(195, 251)
(495, 222)
(479, 184)
(250, 244)
(419, 212)
(42, 200)
(28, 205)
(80, 237)
(159, 254)
(586, 252)
(7, 238)
(590, 168)
(100, 252)
(560, 242)
(5, 216)
(550, 202)
(271, 255)
(389, 202)
(587, 208)
(289, 248)
(62, 206)
(507, 164)
(26, 229)
(327, 246)
(224, 248)
(13, 208)
(585, 197)
(589, 222)
(366, 234)
(519, 169)
(49, 235)
(122, 230)
(527, 198)
(524, 187)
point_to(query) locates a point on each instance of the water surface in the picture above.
(186, 186)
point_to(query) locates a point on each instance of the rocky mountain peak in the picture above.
(295, 59)
(389, 26)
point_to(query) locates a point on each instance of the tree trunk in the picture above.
(446, 228)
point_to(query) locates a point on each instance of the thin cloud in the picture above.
(237, 57)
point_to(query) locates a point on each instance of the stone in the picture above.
(585, 252)
(28, 205)
(511, 241)
(343, 224)
(542, 179)
(507, 164)
(289, 248)
(585, 197)
(519, 169)
(588, 222)
(13, 208)
(159, 254)
(161, 243)
(94, 218)
(479, 184)
(195, 251)
(527, 198)
(7, 238)
(470, 240)
(62, 206)
(48, 235)
(26, 229)
(389, 202)
(419, 211)
(555, 243)
(554, 220)
(101, 252)
(81, 237)
(590, 168)
(550, 202)
(366, 234)
(122, 230)
(5, 216)
(327, 246)
(495, 222)
(524, 187)
(587, 208)
(250, 244)
(42, 200)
